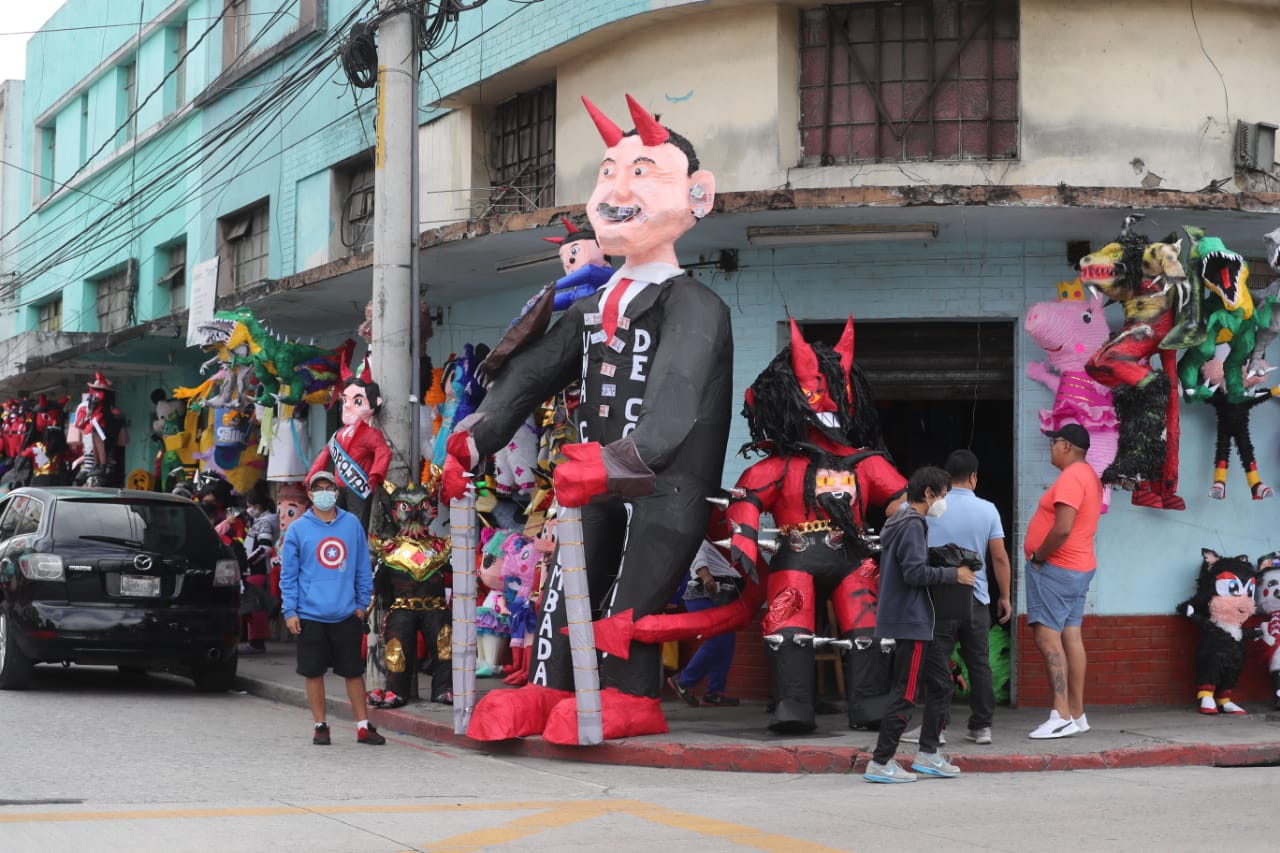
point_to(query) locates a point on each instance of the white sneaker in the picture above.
(934, 764)
(891, 772)
(913, 736)
(1082, 723)
(1055, 727)
(979, 736)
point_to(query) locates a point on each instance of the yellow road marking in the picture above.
(547, 815)
(737, 833)
(555, 816)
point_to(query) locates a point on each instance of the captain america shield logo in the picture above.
(332, 553)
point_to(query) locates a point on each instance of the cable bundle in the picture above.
(359, 56)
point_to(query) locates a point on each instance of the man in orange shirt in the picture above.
(1060, 566)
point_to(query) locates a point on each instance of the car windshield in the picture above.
(164, 528)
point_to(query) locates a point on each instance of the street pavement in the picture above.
(719, 738)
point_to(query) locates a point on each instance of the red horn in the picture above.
(651, 133)
(568, 225)
(609, 131)
(556, 240)
(845, 347)
(803, 362)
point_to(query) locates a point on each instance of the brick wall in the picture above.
(749, 676)
(1133, 660)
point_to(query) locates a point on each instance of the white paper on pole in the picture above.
(201, 300)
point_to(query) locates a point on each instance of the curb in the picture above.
(753, 758)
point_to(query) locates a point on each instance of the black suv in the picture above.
(117, 577)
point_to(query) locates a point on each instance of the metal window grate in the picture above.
(249, 237)
(356, 225)
(129, 100)
(180, 65)
(525, 173)
(115, 300)
(176, 277)
(50, 316)
(1262, 278)
(909, 80)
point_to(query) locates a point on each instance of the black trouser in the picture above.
(637, 552)
(975, 649)
(402, 627)
(917, 665)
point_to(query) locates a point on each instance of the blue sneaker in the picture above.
(891, 772)
(934, 764)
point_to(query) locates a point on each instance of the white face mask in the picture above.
(937, 508)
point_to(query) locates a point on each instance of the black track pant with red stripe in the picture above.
(920, 668)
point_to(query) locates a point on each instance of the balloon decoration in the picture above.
(1268, 592)
(1222, 603)
(1148, 280)
(409, 586)
(812, 416)
(357, 453)
(653, 419)
(1232, 321)
(1070, 330)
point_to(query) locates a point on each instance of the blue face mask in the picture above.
(324, 501)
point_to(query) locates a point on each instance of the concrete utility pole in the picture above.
(395, 246)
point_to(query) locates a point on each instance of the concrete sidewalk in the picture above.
(708, 738)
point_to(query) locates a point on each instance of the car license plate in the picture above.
(140, 587)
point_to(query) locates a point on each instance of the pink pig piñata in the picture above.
(1070, 329)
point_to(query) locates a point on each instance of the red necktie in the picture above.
(609, 320)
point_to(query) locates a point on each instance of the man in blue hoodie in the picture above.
(905, 615)
(326, 584)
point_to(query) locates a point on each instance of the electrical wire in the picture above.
(181, 164)
(54, 225)
(359, 55)
(171, 171)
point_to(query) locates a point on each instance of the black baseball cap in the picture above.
(1074, 433)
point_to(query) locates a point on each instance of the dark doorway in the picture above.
(941, 386)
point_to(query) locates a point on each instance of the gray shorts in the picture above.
(1055, 596)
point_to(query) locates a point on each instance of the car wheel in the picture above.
(217, 677)
(15, 667)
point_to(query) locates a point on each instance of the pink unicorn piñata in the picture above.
(1070, 329)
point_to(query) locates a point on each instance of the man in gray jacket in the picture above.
(905, 614)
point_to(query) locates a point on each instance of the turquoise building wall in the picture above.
(1147, 558)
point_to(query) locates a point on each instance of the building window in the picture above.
(243, 248)
(115, 300)
(48, 159)
(49, 315)
(128, 119)
(354, 185)
(177, 66)
(1261, 276)
(525, 164)
(235, 31)
(84, 128)
(175, 277)
(909, 80)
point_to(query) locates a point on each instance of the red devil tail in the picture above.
(615, 633)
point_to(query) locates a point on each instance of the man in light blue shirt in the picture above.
(974, 523)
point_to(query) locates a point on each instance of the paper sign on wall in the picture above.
(203, 299)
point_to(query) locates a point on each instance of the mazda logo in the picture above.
(142, 563)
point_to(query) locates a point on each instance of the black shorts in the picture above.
(331, 645)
